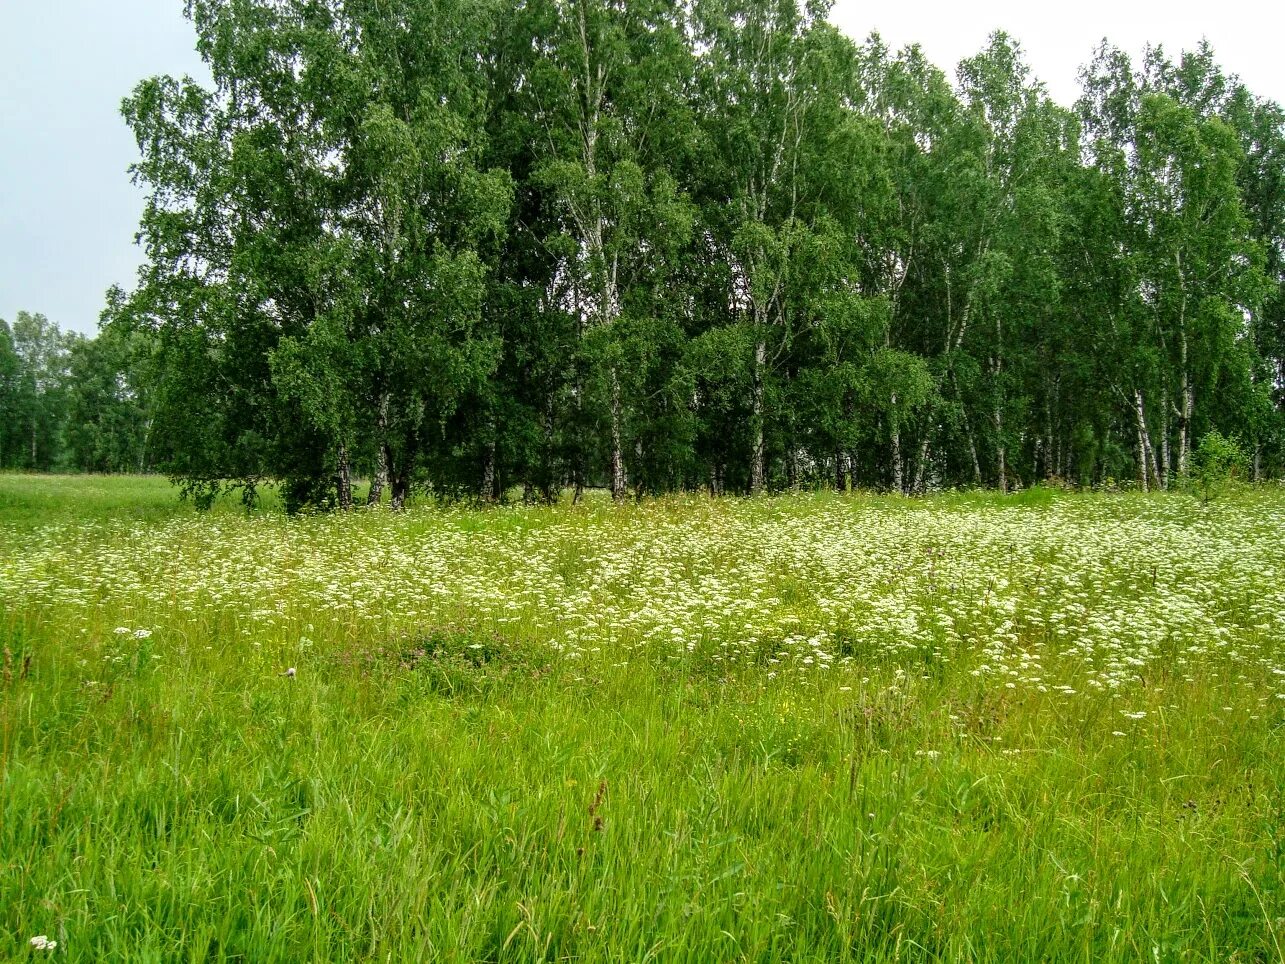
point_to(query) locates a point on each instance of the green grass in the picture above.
(815, 727)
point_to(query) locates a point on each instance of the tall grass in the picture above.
(963, 729)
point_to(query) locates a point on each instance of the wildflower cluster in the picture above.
(1083, 596)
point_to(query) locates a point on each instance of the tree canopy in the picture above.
(475, 245)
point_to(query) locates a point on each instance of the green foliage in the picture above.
(1218, 462)
(481, 247)
(11, 398)
(71, 402)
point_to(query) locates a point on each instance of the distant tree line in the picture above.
(477, 246)
(71, 403)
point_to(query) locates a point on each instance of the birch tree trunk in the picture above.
(758, 466)
(381, 454)
(1050, 452)
(619, 483)
(921, 467)
(489, 493)
(898, 484)
(1142, 459)
(1001, 453)
(380, 479)
(1187, 402)
(343, 479)
(1166, 465)
(1146, 451)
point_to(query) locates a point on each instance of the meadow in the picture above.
(1048, 726)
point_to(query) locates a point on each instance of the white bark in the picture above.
(1146, 451)
(898, 484)
(758, 466)
(618, 481)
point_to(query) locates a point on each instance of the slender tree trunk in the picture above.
(1146, 451)
(380, 479)
(578, 456)
(488, 472)
(1186, 392)
(898, 483)
(1001, 453)
(963, 408)
(997, 368)
(578, 469)
(343, 478)
(968, 431)
(1166, 464)
(1184, 419)
(972, 449)
(1052, 466)
(619, 484)
(758, 464)
(921, 466)
(1142, 461)
(638, 461)
(1001, 463)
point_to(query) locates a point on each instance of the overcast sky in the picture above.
(68, 212)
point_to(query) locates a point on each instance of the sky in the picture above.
(1059, 38)
(68, 212)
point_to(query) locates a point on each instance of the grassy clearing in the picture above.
(807, 728)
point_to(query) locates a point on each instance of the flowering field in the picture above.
(811, 727)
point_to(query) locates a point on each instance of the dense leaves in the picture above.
(70, 402)
(487, 246)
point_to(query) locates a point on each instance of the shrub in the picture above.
(1218, 461)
